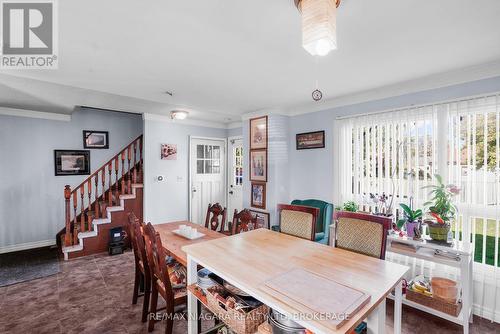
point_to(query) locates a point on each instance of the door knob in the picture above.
(231, 192)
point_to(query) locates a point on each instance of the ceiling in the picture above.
(222, 59)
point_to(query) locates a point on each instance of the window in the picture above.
(207, 159)
(398, 152)
(238, 166)
(391, 153)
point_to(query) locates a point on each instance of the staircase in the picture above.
(102, 202)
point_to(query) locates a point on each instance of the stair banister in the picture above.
(123, 181)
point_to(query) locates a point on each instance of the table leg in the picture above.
(376, 320)
(398, 307)
(192, 301)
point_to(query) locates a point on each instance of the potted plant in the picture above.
(411, 220)
(441, 208)
(350, 206)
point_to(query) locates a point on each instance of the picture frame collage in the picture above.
(77, 162)
(258, 161)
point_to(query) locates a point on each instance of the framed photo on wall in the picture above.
(258, 165)
(262, 218)
(258, 195)
(71, 162)
(309, 140)
(258, 133)
(95, 139)
(168, 152)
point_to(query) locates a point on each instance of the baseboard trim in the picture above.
(27, 245)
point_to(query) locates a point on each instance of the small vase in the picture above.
(410, 228)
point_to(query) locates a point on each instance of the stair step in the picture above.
(99, 221)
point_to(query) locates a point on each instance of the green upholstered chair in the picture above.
(324, 219)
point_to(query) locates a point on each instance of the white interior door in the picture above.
(208, 166)
(235, 177)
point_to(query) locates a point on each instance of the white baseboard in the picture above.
(27, 245)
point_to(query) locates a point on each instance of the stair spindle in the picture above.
(89, 192)
(110, 191)
(123, 173)
(96, 196)
(103, 182)
(75, 204)
(129, 179)
(75, 235)
(115, 188)
(82, 208)
(67, 235)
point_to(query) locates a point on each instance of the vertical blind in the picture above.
(398, 152)
(388, 153)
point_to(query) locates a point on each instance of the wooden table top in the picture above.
(173, 243)
(250, 259)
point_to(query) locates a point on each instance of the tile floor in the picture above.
(93, 295)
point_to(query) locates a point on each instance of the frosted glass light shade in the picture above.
(319, 26)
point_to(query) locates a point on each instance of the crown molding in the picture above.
(468, 74)
(34, 114)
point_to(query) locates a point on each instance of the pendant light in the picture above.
(319, 25)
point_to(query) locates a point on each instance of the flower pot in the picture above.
(410, 228)
(439, 232)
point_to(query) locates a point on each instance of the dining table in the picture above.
(253, 261)
(173, 243)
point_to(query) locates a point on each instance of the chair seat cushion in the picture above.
(319, 236)
(177, 274)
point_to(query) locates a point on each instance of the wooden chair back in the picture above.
(132, 220)
(216, 217)
(298, 220)
(361, 233)
(157, 259)
(243, 221)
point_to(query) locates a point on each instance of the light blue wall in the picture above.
(234, 132)
(167, 201)
(31, 197)
(311, 171)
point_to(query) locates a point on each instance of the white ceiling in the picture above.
(226, 58)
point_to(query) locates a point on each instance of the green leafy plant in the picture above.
(409, 215)
(350, 206)
(441, 204)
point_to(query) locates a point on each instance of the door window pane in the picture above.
(199, 167)
(200, 151)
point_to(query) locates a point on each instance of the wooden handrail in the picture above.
(104, 165)
(97, 189)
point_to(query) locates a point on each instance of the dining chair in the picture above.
(325, 218)
(142, 272)
(168, 280)
(298, 220)
(243, 221)
(216, 217)
(361, 233)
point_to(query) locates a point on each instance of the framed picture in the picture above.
(95, 139)
(258, 195)
(168, 152)
(310, 140)
(258, 165)
(262, 218)
(70, 162)
(258, 133)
